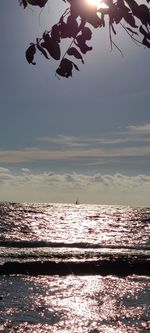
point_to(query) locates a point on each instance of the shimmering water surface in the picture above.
(74, 303)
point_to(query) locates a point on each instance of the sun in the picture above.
(96, 3)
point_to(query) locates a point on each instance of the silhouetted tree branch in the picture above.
(76, 23)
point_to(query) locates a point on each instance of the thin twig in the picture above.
(112, 42)
(117, 48)
(110, 37)
(137, 42)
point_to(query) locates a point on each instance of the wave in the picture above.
(120, 267)
(82, 245)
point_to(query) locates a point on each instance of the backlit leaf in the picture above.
(40, 3)
(145, 42)
(65, 68)
(52, 47)
(86, 33)
(80, 42)
(132, 31)
(55, 32)
(72, 26)
(30, 52)
(42, 51)
(75, 66)
(144, 32)
(129, 18)
(72, 51)
(23, 3)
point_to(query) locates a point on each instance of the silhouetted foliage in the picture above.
(76, 24)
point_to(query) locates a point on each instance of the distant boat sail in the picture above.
(77, 201)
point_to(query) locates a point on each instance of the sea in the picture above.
(74, 268)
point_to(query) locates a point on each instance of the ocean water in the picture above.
(74, 268)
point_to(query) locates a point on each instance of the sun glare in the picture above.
(97, 3)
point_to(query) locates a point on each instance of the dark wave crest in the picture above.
(82, 245)
(120, 267)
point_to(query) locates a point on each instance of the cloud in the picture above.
(65, 141)
(34, 154)
(131, 134)
(56, 187)
(143, 129)
(4, 170)
(26, 170)
(133, 141)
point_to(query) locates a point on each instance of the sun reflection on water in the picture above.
(74, 304)
(83, 224)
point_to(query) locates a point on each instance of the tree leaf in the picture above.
(55, 32)
(80, 42)
(30, 52)
(64, 33)
(75, 66)
(145, 42)
(40, 3)
(65, 68)
(72, 26)
(23, 3)
(46, 36)
(144, 14)
(132, 31)
(129, 18)
(140, 11)
(86, 33)
(52, 47)
(42, 51)
(95, 20)
(144, 32)
(72, 51)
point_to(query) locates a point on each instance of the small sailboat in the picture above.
(77, 201)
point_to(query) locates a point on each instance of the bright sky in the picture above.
(86, 136)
